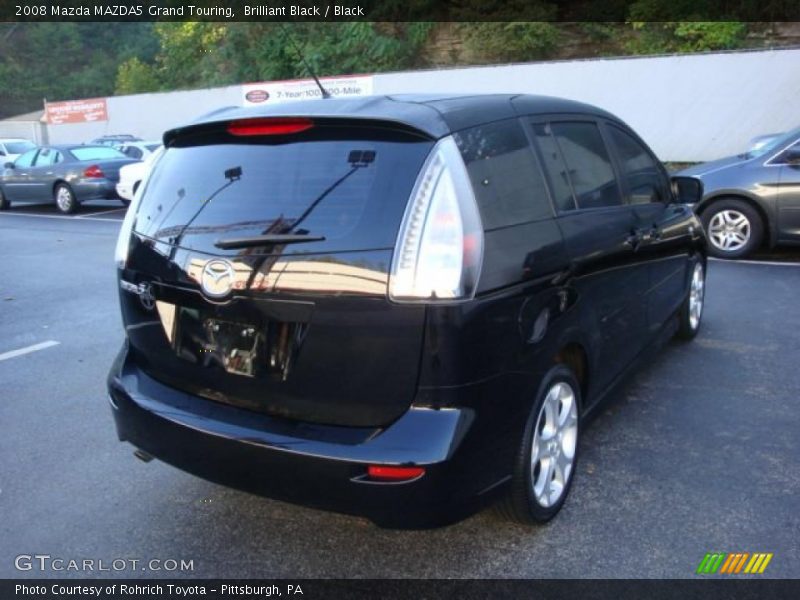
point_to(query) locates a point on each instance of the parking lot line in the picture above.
(7, 214)
(100, 212)
(774, 263)
(28, 349)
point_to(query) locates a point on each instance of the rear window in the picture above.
(350, 189)
(96, 153)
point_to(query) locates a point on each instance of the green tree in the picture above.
(686, 36)
(136, 77)
(189, 54)
(515, 42)
(62, 61)
(534, 38)
(208, 54)
(661, 26)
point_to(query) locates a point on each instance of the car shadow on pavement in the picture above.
(95, 208)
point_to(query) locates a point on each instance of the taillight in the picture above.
(440, 245)
(93, 172)
(269, 126)
(383, 473)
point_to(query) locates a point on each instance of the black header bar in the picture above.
(397, 10)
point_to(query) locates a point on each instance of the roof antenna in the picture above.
(325, 93)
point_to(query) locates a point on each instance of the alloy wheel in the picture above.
(697, 292)
(729, 230)
(554, 443)
(64, 199)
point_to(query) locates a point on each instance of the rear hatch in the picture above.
(108, 160)
(258, 269)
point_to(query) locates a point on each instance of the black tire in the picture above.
(5, 203)
(688, 327)
(67, 204)
(732, 205)
(521, 504)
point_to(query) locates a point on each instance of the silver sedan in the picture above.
(67, 175)
(751, 199)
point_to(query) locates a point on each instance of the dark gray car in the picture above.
(68, 175)
(752, 198)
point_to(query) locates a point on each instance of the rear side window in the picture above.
(588, 164)
(555, 167)
(506, 179)
(350, 189)
(645, 183)
(46, 157)
(26, 160)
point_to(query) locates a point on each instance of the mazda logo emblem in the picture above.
(216, 279)
(146, 297)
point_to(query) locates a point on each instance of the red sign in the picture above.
(257, 96)
(76, 111)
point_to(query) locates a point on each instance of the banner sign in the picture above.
(76, 111)
(273, 92)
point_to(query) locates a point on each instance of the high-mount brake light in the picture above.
(439, 249)
(269, 126)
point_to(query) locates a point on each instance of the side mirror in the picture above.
(9, 165)
(687, 190)
(792, 155)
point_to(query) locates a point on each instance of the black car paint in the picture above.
(447, 386)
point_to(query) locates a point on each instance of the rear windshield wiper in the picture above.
(267, 239)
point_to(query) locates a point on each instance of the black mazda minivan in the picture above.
(400, 307)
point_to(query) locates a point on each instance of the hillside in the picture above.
(60, 61)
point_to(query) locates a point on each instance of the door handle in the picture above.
(649, 236)
(640, 236)
(634, 239)
(653, 235)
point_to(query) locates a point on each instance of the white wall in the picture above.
(687, 107)
(30, 130)
(148, 115)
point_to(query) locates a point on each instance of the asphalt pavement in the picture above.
(697, 452)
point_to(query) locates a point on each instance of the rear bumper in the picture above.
(318, 466)
(99, 189)
(125, 190)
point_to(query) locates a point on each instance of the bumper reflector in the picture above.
(383, 473)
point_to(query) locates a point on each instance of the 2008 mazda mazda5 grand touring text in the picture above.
(396, 307)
